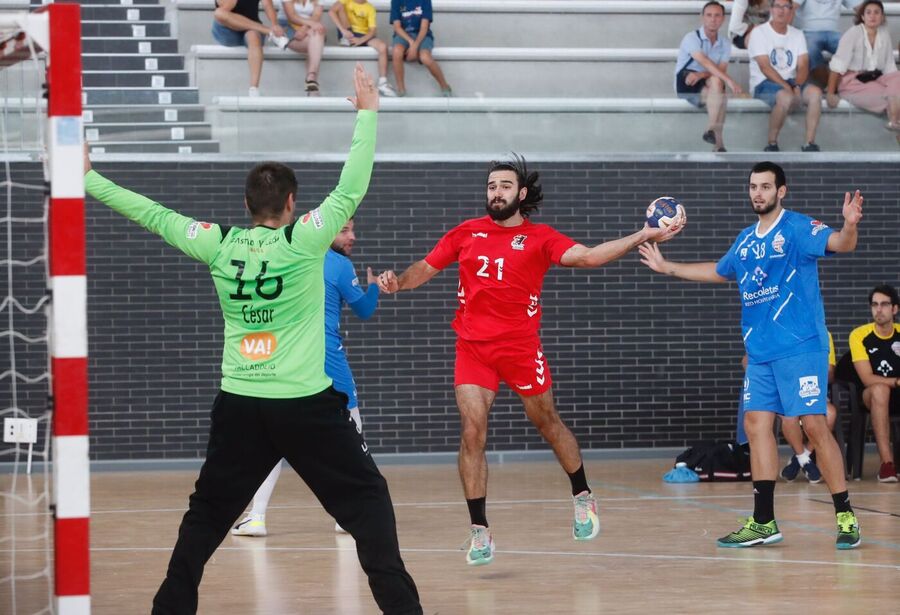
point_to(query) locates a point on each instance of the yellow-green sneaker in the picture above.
(848, 531)
(752, 534)
(481, 547)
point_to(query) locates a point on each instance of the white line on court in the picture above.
(432, 504)
(580, 554)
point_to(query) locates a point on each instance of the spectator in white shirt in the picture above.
(863, 70)
(779, 73)
(302, 23)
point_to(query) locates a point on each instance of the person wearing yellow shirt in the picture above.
(875, 351)
(355, 21)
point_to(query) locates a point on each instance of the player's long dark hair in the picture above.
(535, 196)
(267, 188)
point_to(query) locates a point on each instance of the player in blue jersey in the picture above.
(783, 324)
(341, 287)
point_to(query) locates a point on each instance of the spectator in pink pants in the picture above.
(863, 69)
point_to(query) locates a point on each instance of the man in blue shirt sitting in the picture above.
(701, 72)
(341, 287)
(783, 324)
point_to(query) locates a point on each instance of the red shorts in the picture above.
(520, 363)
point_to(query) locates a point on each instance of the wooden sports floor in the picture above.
(656, 551)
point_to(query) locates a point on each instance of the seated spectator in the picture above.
(413, 41)
(302, 23)
(746, 15)
(701, 72)
(791, 427)
(355, 21)
(236, 23)
(875, 350)
(863, 69)
(779, 70)
(819, 21)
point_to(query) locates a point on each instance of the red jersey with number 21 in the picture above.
(501, 273)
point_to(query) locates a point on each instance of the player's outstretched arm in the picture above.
(337, 208)
(697, 272)
(582, 256)
(416, 274)
(199, 240)
(845, 239)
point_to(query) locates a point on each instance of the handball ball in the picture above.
(664, 212)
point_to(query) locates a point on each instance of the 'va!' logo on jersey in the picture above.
(809, 386)
(518, 242)
(896, 348)
(778, 243)
(759, 276)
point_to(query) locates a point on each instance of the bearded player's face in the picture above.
(344, 240)
(502, 195)
(764, 195)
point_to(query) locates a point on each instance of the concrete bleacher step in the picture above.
(140, 96)
(472, 126)
(157, 79)
(130, 131)
(132, 62)
(152, 29)
(144, 114)
(145, 45)
(487, 72)
(156, 147)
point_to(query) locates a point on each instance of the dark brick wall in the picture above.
(638, 359)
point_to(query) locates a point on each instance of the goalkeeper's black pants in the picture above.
(316, 435)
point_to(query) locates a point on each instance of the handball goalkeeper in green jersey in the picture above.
(275, 399)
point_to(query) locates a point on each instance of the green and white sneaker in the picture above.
(481, 547)
(251, 525)
(587, 521)
(752, 534)
(848, 531)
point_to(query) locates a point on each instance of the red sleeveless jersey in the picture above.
(501, 274)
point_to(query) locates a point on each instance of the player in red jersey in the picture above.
(503, 258)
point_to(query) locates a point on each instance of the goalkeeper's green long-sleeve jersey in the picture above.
(269, 281)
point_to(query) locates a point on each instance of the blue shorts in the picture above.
(231, 38)
(817, 42)
(793, 386)
(355, 34)
(427, 42)
(768, 89)
(289, 30)
(690, 93)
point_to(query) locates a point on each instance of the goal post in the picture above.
(55, 30)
